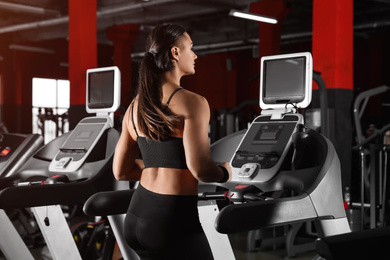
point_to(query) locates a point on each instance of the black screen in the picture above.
(284, 80)
(101, 89)
(267, 138)
(268, 133)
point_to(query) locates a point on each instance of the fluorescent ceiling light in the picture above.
(30, 48)
(254, 17)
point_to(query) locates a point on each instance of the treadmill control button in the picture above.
(63, 163)
(248, 170)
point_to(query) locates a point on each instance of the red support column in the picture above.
(123, 37)
(333, 58)
(82, 53)
(333, 42)
(269, 34)
(17, 91)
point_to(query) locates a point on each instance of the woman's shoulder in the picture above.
(190, 98)
(189, 103)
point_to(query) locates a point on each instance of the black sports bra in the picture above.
(165, 154)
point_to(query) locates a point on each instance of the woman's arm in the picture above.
(196, 140)
(125, 165)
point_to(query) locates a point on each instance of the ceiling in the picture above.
(211, 28)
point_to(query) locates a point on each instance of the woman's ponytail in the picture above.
(156, 122)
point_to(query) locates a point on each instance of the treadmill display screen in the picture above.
(284, 80)
(101, 89)
(268, 133)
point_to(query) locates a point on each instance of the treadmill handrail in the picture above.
(20, 156)
(108, 203)
(323, 102)
(255, 215)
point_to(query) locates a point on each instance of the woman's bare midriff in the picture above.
(169, 181)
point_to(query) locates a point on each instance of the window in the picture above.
(51, 100)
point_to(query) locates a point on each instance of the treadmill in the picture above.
(283, 172)
(70, 168)
(15, 150)
(278, 153)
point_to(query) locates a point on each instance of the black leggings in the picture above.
(159, 226)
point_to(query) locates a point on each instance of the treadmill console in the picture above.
(79, 144)
(103, 96)
(263, 149)
(285, 86)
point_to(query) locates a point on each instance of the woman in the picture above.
(168, 127)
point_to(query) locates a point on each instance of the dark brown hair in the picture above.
(156, 122)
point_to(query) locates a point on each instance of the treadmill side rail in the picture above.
(56, 232)
(11, 244)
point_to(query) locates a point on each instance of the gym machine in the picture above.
(15, 150)
(71, 168)
(278, 153)
(374, 150)
(311, 174)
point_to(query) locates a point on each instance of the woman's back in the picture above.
(172, 180)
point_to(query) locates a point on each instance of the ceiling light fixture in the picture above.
(30, 48)
(254, 17)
